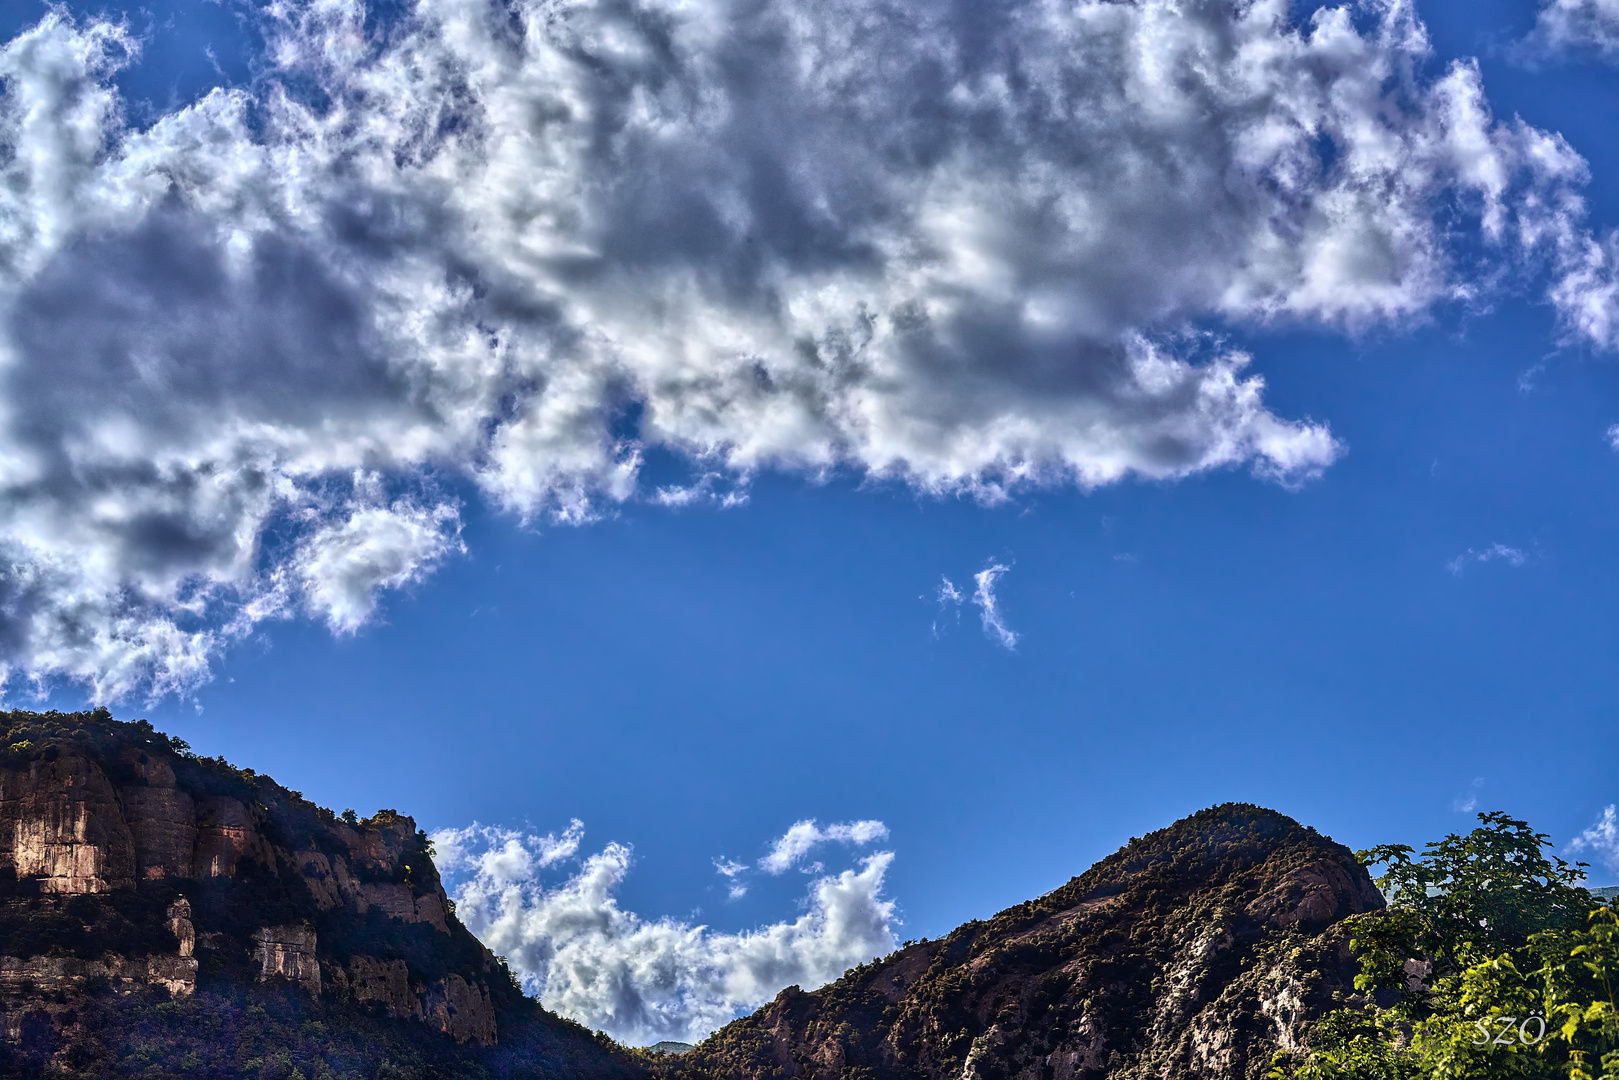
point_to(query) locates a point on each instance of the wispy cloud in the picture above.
(989, 607)
(642, 980)
(949, 599)
(1601, 840)
(725, 492)
(1468, 802)
(732, 870)
(1574, 27)
(1477, 557)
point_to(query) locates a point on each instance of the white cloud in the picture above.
(1600, 841)
(646, 980)
(1587, 295)
(804, 836)
(503, 857)
(731, 870)
(968, 248)
(1494, 553)
(1577, 26)
(342, 565)
(949, 598)
(989, 608)
(710, 488)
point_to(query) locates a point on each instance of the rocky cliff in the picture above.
(169, 912)
(1197, 951)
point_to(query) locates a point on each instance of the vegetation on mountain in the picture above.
(1490, 963)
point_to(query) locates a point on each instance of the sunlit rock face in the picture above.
(134, 871)
(63, 827)
(1197, 951)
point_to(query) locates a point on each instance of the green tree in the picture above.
(1490, 962)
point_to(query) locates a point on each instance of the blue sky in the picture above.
(1405, 613)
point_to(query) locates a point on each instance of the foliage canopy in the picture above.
(1490, 962)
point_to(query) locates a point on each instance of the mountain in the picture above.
(163, 914)
(1196, 951)
(168, 915)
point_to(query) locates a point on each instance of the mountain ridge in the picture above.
(1198, 950)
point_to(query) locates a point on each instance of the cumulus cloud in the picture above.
(1600, 841)
(341, 565)
(517, 243)
(989, 607)
(1495, 552)
(645, 980)
(805, 836)
(505, 855)
(1577, 26)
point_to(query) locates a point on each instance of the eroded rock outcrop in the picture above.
(288, 952)
(385, 983)
(185, 934)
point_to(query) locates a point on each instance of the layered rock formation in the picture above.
(131, 870)
(1198, 951)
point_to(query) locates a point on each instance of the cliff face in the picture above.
(133, 873)
(1198, 951)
